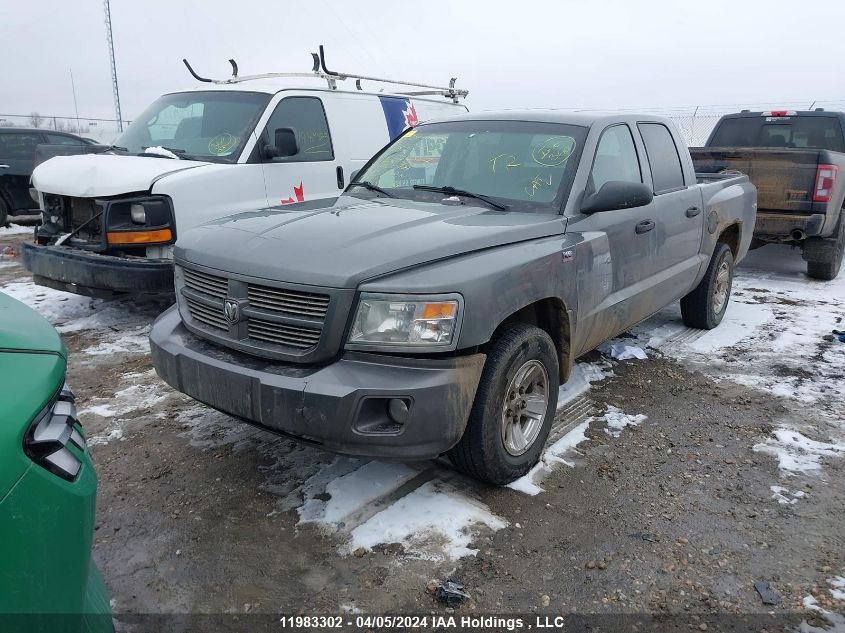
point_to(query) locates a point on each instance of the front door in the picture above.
(311, 172)
(621, 254)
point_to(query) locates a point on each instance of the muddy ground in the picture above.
(675, 515)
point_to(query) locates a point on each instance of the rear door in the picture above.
(673, 258)
(312, 172)
(17, 152)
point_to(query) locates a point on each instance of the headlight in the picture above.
(50, 437)
(395, 322)
(138, 213)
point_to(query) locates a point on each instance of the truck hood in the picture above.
(93, 175)
(23, 329)
(341, 245)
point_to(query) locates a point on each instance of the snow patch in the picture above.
(617, 420)
(434, 522)
(104, 438)
(158, 150)
(554, 455)
(783, 496)
(835, 619)
(15, 229)
(796, 452)
(838, 584)
(579, 380)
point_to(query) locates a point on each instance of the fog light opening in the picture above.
(398, 410)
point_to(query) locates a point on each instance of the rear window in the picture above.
(813, 132)
(666, 170)
(18, 146)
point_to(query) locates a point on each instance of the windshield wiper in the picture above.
(366, 184)
(460, 192)
(112, 148)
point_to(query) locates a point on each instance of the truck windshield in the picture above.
(210, 126)
(812, 132)
(521, 165)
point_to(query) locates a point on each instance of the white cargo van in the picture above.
(243, 143)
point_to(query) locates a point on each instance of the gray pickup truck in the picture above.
(794, 159)
(438, 303)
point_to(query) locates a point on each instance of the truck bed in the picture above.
(785, 178)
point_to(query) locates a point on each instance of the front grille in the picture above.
(209, 284)
(281, 334)
(306, 304)
(85, 219)
(273, 321)
(207, 314)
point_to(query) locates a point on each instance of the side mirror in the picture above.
(354, 175)
(617, 194)
(285, 139)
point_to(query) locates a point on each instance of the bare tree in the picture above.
(35, 119)
(6, 123)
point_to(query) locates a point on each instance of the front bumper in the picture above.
(83, 272)
(341, 407)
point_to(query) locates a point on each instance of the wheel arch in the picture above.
(551, 315)
(731, 235)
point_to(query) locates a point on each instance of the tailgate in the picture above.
(785, 179)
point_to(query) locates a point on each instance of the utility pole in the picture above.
(115, 90)
(75, 106)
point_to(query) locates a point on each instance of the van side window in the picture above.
(307, 118)
(616, 158)
(663, 157)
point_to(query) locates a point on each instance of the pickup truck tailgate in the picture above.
(785, 180)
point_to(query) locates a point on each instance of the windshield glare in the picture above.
(201, 125)
(525, 165)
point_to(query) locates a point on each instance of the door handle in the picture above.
(339, 172)
(4, 167)
(693, 211)
(645, 226)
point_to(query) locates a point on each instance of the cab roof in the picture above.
(583, 118)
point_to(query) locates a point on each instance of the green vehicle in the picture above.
(48, 488)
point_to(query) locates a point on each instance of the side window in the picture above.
(61, 139)
(616, 158)
(663, 157)
(18, 146)
(307, 118)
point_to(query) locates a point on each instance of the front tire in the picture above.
(705, 306)
(513, 409)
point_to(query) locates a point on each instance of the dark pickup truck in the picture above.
(794, 159)
(436, 306)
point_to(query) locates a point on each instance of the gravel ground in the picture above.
(673, 514)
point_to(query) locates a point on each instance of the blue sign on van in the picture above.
(399, 113)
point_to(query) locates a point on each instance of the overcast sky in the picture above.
(606, 54)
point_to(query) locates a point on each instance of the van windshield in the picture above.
(210, 126)
(521, 165)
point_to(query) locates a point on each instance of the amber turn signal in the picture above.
(139, 237)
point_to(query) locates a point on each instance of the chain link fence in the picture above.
(100, 130)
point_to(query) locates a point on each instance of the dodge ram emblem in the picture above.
(232, 310)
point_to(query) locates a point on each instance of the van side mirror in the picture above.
(284, 144)
(617, 194)
(354, 175)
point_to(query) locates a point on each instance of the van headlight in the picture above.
(402, 322)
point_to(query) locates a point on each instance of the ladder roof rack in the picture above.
(321, 71)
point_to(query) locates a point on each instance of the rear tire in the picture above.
(4, 213)
(705, 306)
(824, 257)
(513, 409)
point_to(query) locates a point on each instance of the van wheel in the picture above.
(514, 407)
(824, 257)
(4, 213)
(705, 306)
